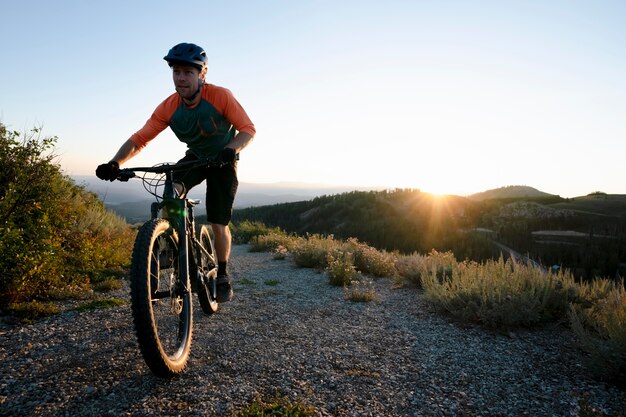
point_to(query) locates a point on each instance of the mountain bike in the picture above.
(170, 261)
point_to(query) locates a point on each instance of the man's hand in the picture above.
(227, 156)
(108, 171)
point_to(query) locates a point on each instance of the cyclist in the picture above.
(213, 124)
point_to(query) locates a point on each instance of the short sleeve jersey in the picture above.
(206, 128)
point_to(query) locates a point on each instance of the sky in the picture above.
(450, 97)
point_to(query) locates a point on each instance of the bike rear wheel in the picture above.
(161, 299)
(207, 292)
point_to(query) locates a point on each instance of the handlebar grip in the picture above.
(125, 175)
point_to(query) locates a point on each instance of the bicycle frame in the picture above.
(179, 210)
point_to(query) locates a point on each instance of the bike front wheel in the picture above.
(161, 299)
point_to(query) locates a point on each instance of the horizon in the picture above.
(451, 98)
(292, 186)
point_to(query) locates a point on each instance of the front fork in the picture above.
(174, 211)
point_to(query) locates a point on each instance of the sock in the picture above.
(221, 268)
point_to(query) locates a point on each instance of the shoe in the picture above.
(224, 289)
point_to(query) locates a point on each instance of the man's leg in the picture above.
(222, 242)
(221, 189)
(222, 252)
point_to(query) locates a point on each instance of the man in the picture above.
(212, 124)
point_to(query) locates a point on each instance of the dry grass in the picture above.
(500, 294)
(601, 328)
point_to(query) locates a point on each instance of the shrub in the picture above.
(410, 267)
(271, 241)
(500, 294)
(340, 268)
(312, 251)
(361, 291)
(414, 267)
(601, 329)
(53, 234)
(369, 260)
(244, 231)
(280, 253)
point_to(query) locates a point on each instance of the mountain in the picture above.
(511, 191)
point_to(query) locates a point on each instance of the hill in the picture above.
(585, 234)
(510, 192)
(404, 219)
(596, 203)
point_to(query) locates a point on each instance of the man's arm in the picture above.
(126, 151)
(240, 141)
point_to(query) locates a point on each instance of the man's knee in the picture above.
(220, 229)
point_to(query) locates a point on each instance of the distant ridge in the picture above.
(248, 194)
(511, 191)
(131, 201)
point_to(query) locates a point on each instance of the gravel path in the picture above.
(289, 334)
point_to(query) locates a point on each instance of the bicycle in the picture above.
(169, 263)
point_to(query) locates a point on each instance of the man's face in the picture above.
(186, 80)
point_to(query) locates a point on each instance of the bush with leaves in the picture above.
(54, 235)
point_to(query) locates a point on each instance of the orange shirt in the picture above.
(206, 128)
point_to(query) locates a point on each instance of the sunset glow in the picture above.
(450, 100)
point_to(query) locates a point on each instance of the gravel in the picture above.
(288, 334)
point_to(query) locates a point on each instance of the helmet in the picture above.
(187, 53)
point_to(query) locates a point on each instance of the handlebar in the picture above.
(127, 173)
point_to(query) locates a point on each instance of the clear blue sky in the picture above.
(447, 96)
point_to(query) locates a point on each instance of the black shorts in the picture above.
(221, 187)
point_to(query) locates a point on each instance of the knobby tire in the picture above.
(161, 303)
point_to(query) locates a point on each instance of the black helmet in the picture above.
(187, 53)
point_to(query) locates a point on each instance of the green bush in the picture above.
(53, 234)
